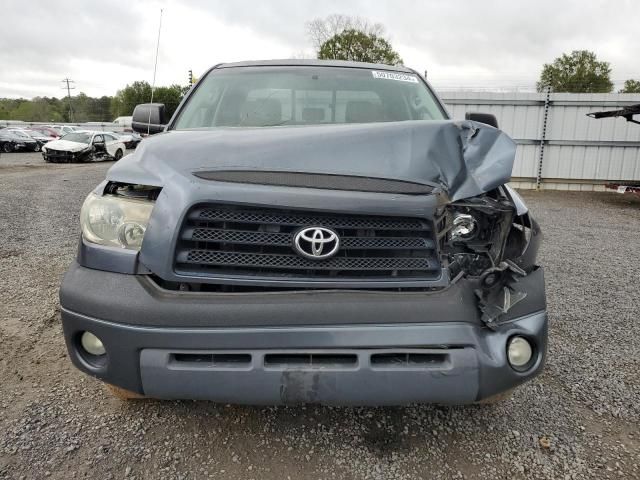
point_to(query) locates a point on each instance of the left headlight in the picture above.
(115, 221)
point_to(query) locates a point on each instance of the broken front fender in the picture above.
(493, 239)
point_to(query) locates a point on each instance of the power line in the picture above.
(68, 81)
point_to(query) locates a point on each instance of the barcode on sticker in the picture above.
(400, 77)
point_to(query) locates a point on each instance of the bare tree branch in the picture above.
(320, 30)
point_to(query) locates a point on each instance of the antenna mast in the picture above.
(155, 68)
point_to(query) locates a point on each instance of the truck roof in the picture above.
(316, 63)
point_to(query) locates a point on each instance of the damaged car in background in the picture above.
(33, 134)
(84, 147)
(13, 139)
(309, 232)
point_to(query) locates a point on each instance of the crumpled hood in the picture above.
(464, 158)
(66, 146)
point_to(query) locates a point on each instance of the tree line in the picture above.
(337, 37)
(83, 108)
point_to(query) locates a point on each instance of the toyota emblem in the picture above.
(317, 243)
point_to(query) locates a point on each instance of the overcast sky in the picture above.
(103, 45)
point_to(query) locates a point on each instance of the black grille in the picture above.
(227, 240)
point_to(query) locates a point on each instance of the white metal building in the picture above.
(559, 147)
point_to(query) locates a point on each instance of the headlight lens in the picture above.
(115, 221)
(464, 226)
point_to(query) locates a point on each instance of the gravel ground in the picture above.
(579, 419)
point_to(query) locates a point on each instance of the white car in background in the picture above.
(124, 122)
(84, 147)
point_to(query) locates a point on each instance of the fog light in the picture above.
(519, 352)
(92, 344)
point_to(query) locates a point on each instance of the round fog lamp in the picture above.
(519, 352)
(92, 344)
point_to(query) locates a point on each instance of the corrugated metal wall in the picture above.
(580, 153)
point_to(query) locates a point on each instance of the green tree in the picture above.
(631, 86)
(578, 72)
(170, 96)
(81, 106)
(5, 109)
(358, 46)
(24, 110)
(90, 109)
(126, 99)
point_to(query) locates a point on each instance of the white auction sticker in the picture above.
(400, 77)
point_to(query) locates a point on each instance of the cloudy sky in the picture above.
(103, 45)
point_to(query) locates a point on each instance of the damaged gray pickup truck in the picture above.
(309, 232)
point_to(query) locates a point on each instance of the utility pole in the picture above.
(69, 88)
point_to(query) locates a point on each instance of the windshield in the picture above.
(20, 133)
(77, 137)
(42, 132)
(271, 96)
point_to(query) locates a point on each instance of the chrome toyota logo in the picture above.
(317, 243)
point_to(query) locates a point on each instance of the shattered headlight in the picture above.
(115, 221)
(476, 232)
(464, 226)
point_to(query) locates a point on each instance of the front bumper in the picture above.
(63, 156)
(330, 347)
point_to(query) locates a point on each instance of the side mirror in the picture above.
(486, 118)
(148, 118)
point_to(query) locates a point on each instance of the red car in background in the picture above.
(48, 131)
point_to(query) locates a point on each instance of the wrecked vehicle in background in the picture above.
(13, 139)
(33, 134)
(309, 232)
(84, 147)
